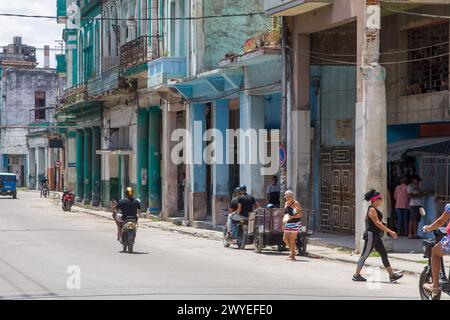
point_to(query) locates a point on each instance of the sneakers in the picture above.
(359, 278)
(396, 277)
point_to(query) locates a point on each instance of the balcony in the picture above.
(134, 54)
(73, 96)
(164, 69)
(109, 84)
(293, 7)
(41, 117)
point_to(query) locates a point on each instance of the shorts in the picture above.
(445, 243)
(414, 213)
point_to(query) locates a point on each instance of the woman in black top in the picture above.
(373, 236)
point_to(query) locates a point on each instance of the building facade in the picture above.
(27, 106)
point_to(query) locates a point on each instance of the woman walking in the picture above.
(293, 225)
(373, 237)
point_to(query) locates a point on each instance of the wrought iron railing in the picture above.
(135, 52)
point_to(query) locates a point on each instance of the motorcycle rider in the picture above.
(129, 207)
(44, 184)
(440, 250)
(232, 210)
(246, 204)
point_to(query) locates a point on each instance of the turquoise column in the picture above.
(154, 159)
(96, 167)
(87, 166)
(198, 167)
(221, 122)
(142, 156)
(80, 165)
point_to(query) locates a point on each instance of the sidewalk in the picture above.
(322, 246)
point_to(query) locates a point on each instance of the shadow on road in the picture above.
(134, 252)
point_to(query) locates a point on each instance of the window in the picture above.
(39, 105)
(428, 71)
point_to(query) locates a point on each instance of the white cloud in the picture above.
(34, 32)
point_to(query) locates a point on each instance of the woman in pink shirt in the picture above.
(402, 206)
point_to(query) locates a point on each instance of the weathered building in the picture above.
(353, 118)
(28, 100)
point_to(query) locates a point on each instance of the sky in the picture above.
(34, 32)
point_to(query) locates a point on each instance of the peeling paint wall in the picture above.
(18, 98)
(224, 35)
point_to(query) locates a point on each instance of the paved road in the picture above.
(38, 242)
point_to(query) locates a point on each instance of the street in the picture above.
(39, 242)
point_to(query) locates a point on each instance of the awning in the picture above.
(418, 147)
(119, 152)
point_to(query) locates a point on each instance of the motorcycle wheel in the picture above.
(124, 248)
(69, 208)
(259, 241)
(64, 208)
(226, 240)
(281, 247)
(302, 243)
(242, 237)
(426, 277)
(130, 248)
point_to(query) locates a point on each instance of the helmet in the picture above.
(447, 208)
(243, 188)
(129, 192)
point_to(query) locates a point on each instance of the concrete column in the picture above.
(96, 167)
(154, 160)
(80, 165)
(221, 174)
(87, 166)
(197, 167)
(371, 131)
(142, 156)
(252, 116)
(31, 168)
(169, 169)
(301, 119)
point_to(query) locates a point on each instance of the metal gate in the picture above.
(435, 174)
(337, 196)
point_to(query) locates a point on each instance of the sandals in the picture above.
(430, 288)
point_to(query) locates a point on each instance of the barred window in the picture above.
(429, 48)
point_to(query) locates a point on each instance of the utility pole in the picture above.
(371, 131)
(284, 109)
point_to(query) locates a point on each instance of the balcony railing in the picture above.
(110, 82)
(161, 70)
(135, 52)
(73, 96)
(40, 116)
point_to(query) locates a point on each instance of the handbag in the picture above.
(286, 218)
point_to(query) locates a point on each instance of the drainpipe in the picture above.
(284, 107)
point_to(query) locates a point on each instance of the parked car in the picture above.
(8, 185)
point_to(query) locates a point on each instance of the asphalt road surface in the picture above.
(46, 253)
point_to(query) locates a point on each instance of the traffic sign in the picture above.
(283, 155)
(58, 164)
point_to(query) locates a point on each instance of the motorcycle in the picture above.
(129, 230)
(68, 201)
(242, 238)
(44, 191)
(302, 241)
(426, 276)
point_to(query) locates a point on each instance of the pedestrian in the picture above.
(402, 207)
(415, 203)
(273, 192)
(373, 236)
(293, 224)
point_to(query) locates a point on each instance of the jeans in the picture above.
(402, 220)
(232, 227)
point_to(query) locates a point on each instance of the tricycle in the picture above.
(266, 228)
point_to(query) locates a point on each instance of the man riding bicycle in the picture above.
(440, 250)
(44, 185)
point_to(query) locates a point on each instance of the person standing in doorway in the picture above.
(415, 203)
(373, 237)
(273, 192)
(402, 207)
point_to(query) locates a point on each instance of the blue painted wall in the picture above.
(273, 111)
(402, 132)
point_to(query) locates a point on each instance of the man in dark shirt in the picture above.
(247, 203)
(232, 209)
(129, 208)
